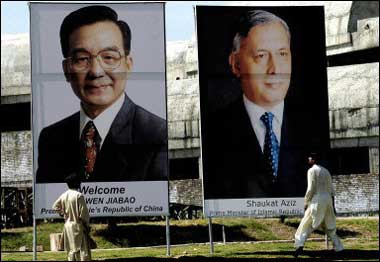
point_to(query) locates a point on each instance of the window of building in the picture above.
(184, 168)
(345, 161)
(353, 58)
(192, 74)
(15, 117)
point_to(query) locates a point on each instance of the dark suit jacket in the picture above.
(233, 160)
(134, 149)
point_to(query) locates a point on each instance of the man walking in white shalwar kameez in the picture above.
(319, 207)
(72, 206)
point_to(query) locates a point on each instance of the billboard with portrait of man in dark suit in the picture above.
(264, 106)
(99, 106)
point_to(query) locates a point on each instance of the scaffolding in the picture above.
(16, 207)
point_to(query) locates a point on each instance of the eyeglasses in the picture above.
(108, 59)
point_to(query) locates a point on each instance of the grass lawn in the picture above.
(359, 250)
(360, 237)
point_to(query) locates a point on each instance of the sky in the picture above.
(179, 18)
(179, 15)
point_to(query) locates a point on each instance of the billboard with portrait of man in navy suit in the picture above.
(99, 106)
(264, 106)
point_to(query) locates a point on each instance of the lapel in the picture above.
(246, 138)
(285, 136)
(250, 154)
(71, 132)
(70, 144)
(121, 128)
(113, 159)
(292, 144)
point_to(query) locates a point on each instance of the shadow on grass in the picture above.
(10, 234)
(343, 233)
(202, 259)
(153, 235)
(346, 254)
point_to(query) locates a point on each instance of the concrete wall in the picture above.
(374, 159)
(356, 193)
(183, 117)
(187, 192)
(354, 100)
(15, 68)
(16, 159)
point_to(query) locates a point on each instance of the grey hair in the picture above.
(251, 19)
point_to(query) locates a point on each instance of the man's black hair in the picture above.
(89, 15)
(73, 181)
(315, 156)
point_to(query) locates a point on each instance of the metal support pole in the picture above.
(223, 235)
(34, 223)
(327, 241)
(167, 236)
(210, 235)
(34, 238)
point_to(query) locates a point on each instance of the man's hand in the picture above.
(59, 211)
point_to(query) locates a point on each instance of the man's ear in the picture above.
(129, 62)
(65, 67)
(234, 63)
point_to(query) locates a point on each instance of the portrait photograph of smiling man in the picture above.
(263, 97)
(112, 126)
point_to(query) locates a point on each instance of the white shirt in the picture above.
(255, 112)
(103, 121)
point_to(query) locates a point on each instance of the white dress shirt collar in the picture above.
(255, 112)
(103, 121)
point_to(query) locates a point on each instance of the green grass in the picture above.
(12, 239)
(359, 250)
(364, 230)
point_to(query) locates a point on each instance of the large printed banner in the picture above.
(264, 106)
(255, 207)
(99, 106)
(110, 199)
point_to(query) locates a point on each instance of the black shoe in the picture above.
(298, 251)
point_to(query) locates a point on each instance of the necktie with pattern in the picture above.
(271, 147)
(90, 143)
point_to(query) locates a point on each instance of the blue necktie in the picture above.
(271, 148)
